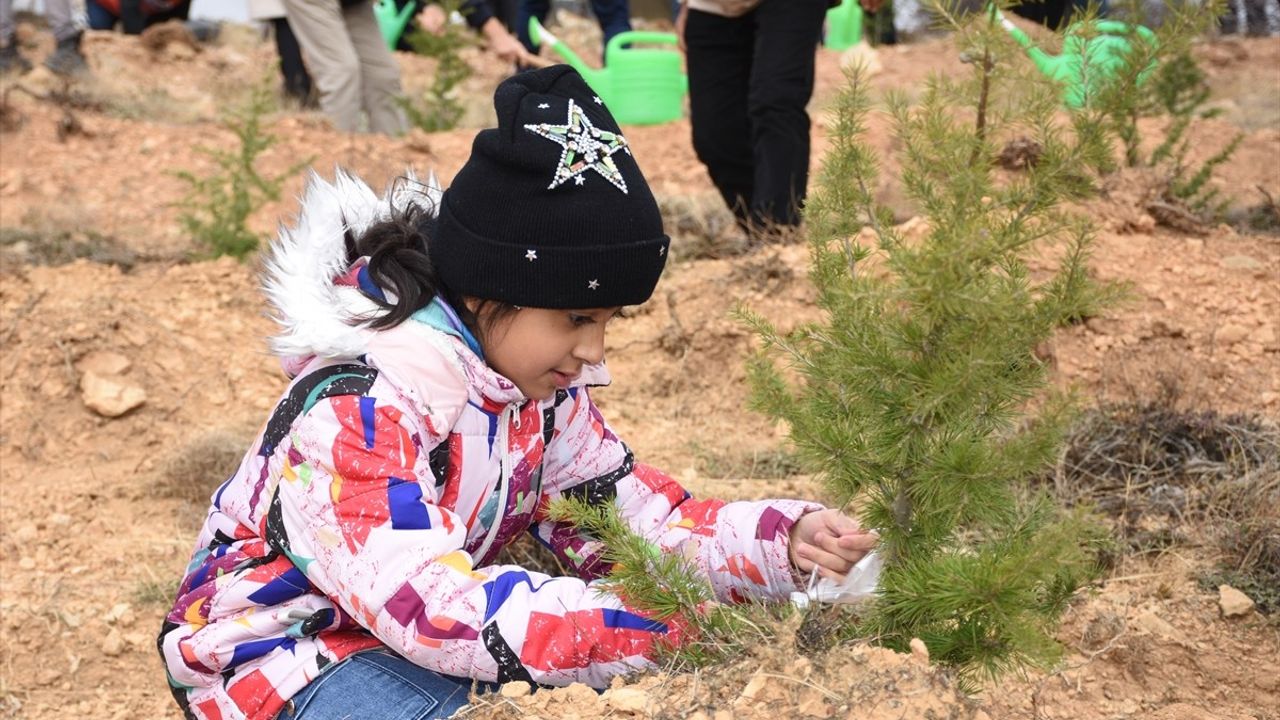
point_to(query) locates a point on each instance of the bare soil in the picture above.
(97, 514)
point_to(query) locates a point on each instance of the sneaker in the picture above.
(11, 61)
(66, 58)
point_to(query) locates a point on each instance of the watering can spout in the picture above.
(540, 35)
(391, 20)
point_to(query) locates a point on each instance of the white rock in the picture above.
(1233, 603)
(113, 644)
(109, 396)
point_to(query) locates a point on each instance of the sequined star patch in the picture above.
(585, 147)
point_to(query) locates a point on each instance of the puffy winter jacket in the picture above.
(393, 469)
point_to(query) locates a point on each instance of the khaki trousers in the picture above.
(350, 63)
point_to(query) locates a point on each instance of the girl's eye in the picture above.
(580, 320)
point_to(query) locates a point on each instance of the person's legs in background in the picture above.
(787, 33)
(66, 57)
(331, 58)
(379, 72)
(719, 60)
(529, 9)
(10, 60)
(297, 83)
(614, 17)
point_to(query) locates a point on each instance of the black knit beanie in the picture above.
(550, 210)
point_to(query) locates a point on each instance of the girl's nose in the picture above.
(590, 348)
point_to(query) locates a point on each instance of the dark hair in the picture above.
(400, 262)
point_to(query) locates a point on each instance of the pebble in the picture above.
(1233, 603)
(1230, 334)
(26, 563)
(109, 396)
(113, 644)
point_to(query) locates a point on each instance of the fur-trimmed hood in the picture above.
(317, 316)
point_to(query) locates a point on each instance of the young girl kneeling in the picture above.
(439, 402)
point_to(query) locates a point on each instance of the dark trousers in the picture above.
(297, 83)
(614, 17)
(750, 78)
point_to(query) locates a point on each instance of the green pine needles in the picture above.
(439, 108)
(216, 207)
(919, 398)
(1163, 80)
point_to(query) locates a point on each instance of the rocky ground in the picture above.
(132, 376)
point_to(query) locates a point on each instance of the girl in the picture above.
(439, 402)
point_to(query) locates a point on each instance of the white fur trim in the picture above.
(317, 317)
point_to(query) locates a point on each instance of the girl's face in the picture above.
(543, 350)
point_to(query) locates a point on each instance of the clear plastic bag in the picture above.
(859, 584)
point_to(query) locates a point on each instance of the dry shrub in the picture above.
(195, 469)
(1162, 472)
(701, 227)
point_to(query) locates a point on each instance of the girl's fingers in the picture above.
(826, 560)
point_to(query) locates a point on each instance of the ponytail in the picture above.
(398, 261)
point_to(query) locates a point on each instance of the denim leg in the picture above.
(100, 18)
(379, 685)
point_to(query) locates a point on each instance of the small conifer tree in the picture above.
(216, 208)
(440, 108)
(1162, 79)
(919, 397)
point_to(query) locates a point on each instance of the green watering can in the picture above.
(392, 21)
(641, 86)
(1103, 43)
(844, 26)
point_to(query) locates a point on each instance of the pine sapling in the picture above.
(216, 207)
(440, 108)
(920, 397)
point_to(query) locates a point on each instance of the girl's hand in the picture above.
(830, 541)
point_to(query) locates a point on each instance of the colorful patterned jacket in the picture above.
(395, 467)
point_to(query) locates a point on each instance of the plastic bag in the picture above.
(859, 584)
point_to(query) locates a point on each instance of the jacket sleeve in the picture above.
(366, 530)
(741, 547)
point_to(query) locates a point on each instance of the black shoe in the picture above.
(66, 58)
(11, 61)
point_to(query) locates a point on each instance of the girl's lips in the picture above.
(562, 380)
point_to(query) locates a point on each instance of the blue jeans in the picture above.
(380, 685)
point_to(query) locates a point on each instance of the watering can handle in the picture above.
(639, 36)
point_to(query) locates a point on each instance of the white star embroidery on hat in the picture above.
(593, 284)
(543, 106)
(586, 147)
(597, 99)
(531, 255)
(662, 250)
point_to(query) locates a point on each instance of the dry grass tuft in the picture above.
(195, 469)
(1163, 473)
